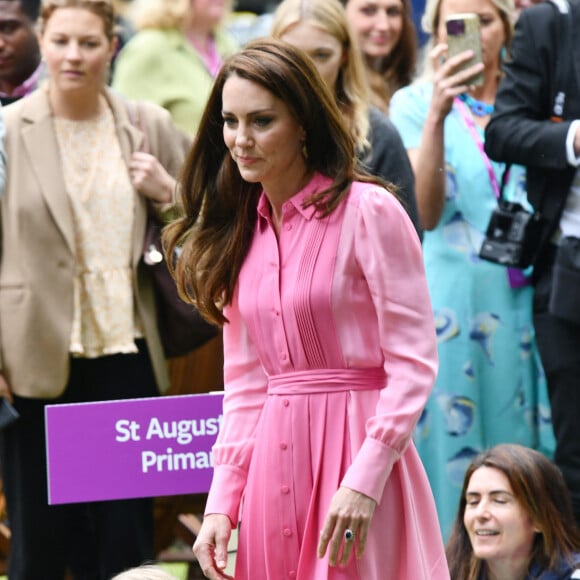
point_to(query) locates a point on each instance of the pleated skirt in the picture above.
(304, 445)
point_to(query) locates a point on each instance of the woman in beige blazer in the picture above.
(77, 316)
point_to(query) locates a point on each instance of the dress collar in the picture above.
(318, 183)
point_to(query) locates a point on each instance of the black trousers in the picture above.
(92, 541)
(559, 345)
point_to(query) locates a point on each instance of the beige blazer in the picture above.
(37, 246)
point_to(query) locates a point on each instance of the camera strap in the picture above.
(516, 277)
(471, 127)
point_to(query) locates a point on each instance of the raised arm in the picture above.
(428, 159)
(520, 130)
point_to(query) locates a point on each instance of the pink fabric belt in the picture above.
(326, 381)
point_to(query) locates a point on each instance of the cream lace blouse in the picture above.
(102, 202)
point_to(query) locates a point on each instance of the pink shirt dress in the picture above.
(330, 356)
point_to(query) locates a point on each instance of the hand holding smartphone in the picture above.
(463, 34)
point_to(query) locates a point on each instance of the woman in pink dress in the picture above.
(316, 274)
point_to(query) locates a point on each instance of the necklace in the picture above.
(478, 108)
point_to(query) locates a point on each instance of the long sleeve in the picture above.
(389, 255)
(245, 392)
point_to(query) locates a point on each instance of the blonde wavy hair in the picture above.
(164, 14)
(351, 90)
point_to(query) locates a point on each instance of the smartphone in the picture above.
(463, 34)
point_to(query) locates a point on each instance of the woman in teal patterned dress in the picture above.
(490, 388)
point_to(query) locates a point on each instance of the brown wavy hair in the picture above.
(540, 488)
(220, 207)
(397, 69)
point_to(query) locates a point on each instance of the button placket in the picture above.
(279, 336)
(286, 502)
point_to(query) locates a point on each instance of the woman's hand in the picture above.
(349, 510)
(149, 177)
(211, 546)
(448, 81)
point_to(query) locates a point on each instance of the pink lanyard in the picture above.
(468, 120)
(516, 278)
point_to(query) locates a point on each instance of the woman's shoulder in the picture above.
(144, 110)
(153, 41)
(379, 121)
(382, 131)
(225, 42)
(371, 196)
(567, 569)
(13, 111)
(410, 104)
(155, 118)
(572, 568)
(32, 107)
(420, 90)
(375, 213)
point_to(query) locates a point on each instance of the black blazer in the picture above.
(520, 130)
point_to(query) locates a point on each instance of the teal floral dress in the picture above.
(490, 388)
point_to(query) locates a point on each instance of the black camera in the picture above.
(512, 236)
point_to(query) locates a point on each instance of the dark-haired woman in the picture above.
(515, 520)
(329, 343)
(388, 42)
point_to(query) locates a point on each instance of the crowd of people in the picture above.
(394, 404)
(78, 320)
(490, 387)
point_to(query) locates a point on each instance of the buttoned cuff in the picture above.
(371, 468)
(570, 154)
(226, 491)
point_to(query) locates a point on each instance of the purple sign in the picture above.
(131, 448)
